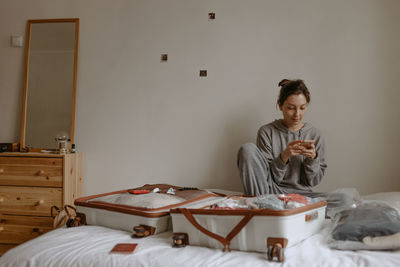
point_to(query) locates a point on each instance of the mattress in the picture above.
(90, 246)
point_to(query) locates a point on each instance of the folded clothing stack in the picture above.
(372, 225)
(268, 201)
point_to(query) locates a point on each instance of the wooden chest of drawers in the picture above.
(30, 183)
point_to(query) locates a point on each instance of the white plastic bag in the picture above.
(370, 225)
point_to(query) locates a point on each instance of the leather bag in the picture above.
(63, 217)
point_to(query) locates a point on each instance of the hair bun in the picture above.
(283, 82)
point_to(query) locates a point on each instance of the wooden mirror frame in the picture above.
(23, 147)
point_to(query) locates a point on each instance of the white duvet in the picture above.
(88, 246)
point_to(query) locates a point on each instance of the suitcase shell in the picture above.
(262, 228)
(126, 217)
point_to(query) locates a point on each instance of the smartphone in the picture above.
(307, 143)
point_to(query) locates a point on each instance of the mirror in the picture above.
(48, 109)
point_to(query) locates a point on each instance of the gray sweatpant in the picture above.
(257, 179)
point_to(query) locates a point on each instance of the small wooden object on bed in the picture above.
(30, 184)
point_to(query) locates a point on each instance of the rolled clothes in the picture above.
(366, 220)
(384, 242)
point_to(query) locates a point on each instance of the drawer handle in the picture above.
(40, 202)
(1, 228)
(41, 172)
(1, 199)
(1, 170)
(37, 230)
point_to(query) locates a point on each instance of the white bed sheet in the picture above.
(88, 246)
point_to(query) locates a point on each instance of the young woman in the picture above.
(290, 154)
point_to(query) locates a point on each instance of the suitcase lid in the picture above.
(149, 204)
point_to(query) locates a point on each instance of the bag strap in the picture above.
(193, 221)
(66, 206)
(225, 241)
(57, 209)
(239, 227)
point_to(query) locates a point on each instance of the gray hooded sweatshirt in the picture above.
(300, 172)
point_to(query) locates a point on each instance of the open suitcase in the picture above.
(140, 209)
(261, 230)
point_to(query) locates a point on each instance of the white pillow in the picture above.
(391, 198)
(384, 196)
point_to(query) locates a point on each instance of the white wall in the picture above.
(142, 121)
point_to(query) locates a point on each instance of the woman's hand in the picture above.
(309, 151)
(291, 150)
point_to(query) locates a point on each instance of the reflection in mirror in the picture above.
(50, 82)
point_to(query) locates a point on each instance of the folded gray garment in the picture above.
(269, 201)
(368, 219)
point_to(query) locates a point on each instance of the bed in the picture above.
(90, 246)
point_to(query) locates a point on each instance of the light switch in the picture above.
(16, 41)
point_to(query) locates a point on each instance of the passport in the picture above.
(124, 248)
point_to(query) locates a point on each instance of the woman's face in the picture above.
(293, 109)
